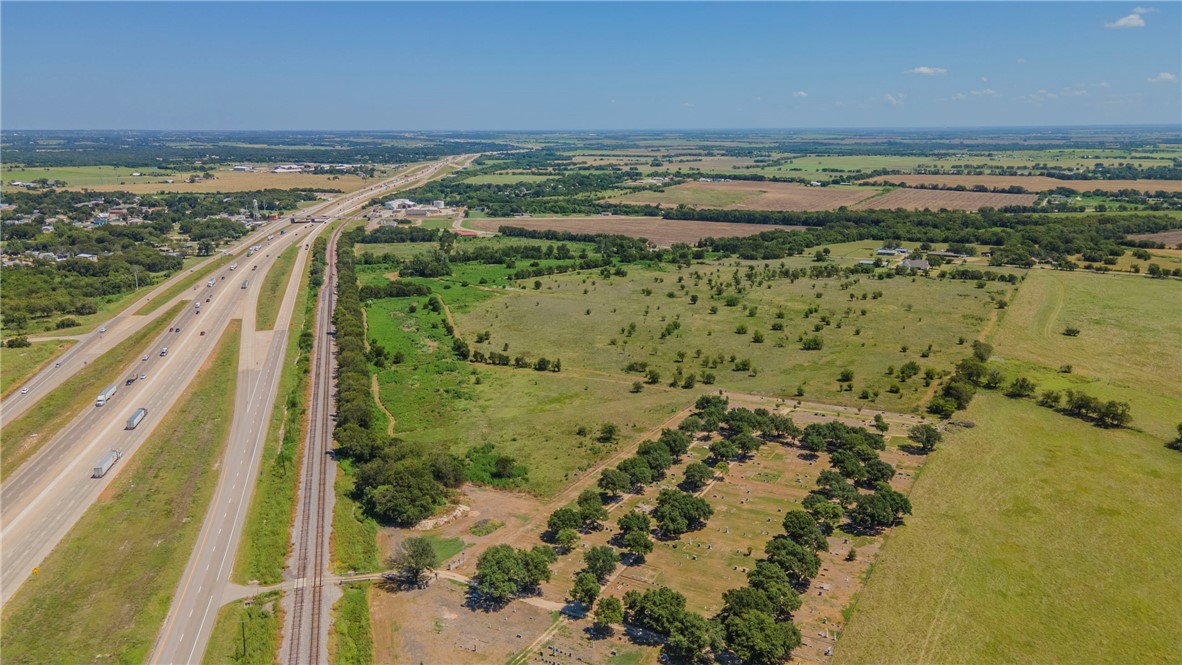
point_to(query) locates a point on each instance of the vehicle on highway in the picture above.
(136, 417)
(129, 381)
(57, 364)
(245, 283)
(203, 333)
(25, 391)
(102, 330)
(197, 305)
(164, 351)
(253, 268)
(169, 330)
(211, 282)
(178, 329)
(104, 465)
(144, 358)
(233, 266)
(143, 376)
(106, 395)
(207, 300)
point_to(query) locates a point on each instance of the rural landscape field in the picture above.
(590, 334)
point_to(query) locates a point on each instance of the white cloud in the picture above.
(1133, 20)
(687, 105)
(1021, 61)
(927, 71)
(1143, 10)
(984, 92)
(984, 79)
(959, 97)
(800, 93)
(894, 100)
(1164, 77)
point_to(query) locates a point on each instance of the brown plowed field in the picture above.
(662, 232)
(1035, 183)
(1170, 238)
(934, 199)
(750, 195)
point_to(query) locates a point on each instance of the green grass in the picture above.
(266, 536)
(80, 176)
(274, 285)
(485, 527)
(17, 365)
(56, 409)
(183, 285)
(704, 198)
(105, 589)
(531, 416)
(262, 632)
(1035, 538)
(1128, 335)
(351, 642)
(354, 544)
(445, 548)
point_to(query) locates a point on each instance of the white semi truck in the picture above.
(104, 465)
(105, 395)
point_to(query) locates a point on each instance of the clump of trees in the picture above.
(503, 572)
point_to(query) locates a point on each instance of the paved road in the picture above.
(204, 586)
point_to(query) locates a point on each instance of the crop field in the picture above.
(920, 199)
(109, 179)
(1035, 538)
(104, 591)
(1129, 346)
(1036, 183)
(869, 335)
(747, 195)
(661, 232)
(507, 178)
(1169, 238)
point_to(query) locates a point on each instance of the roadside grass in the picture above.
(532, 416)
(1034, 538)
(17, 365)
(262, 625)
(263, 549)
(105, 589)
(183, 285)
(897, 321)
(351, 640)
(1128, 348)
(26, 434)
(354, 543)
(274, 285)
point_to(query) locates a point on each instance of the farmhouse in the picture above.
(916, 264)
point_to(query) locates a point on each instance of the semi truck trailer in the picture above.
(136, 417)
(104, 465)
(105, 395)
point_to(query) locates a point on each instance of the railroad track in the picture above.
(304, 640)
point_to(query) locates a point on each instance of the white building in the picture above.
(400, 204)
(287, 168)
(243, 167)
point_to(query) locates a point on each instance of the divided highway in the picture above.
(205, 584)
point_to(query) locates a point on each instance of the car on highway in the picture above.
(102, 330)
(143, 376)
(129, 381)
(25, 391)
(203, 333)
(178, 329)
(164, 351)
(57, 364)
(144, 358)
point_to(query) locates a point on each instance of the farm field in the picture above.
(1129, 347)
(111, 179)
(506, 178)
(911, 313)
(1035, 183)
(747, 195)
(660, 232)
(919, 199)
(1169, 238)
(106, 587)
(1035, 538)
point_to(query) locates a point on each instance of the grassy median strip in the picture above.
(263, 549)
(351, 641)
(17, 365)
(247, 634)
(104, 591)
(274, 286)
(180, 287)
(26, 434)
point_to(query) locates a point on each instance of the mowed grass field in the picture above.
(506, 178)
(104, 591)
(1035, 538)
(119, 179)
(17, 365)
(875, 334)
(274, 285)
(744, 195)
(1129, 347)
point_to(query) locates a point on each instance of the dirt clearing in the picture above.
(934, 199)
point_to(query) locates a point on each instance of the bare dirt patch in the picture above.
(933, 199)
(749, 195)
(1169, 238)
(1035, 183)
(662, 232)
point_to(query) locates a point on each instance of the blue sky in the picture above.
(564, 65)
